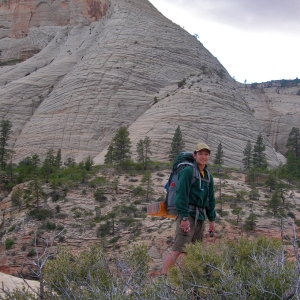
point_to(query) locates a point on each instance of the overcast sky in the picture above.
(255, 40)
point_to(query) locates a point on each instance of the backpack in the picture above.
(183, 160)
(167, 208)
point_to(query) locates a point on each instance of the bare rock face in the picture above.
(23, 24)
(122, 69)
(276, 106)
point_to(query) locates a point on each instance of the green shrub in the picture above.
(104, 229)
(48, 225)
(133, 180)
(181, 83)
(99, 195)
(31, 253)
(240, 270)
(12, 228)
(291, 215)
(9, 243)
(41, 214)
(16, 196)
(139, 191)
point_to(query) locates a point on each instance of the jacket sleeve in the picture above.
(210, 211)
(182, 192)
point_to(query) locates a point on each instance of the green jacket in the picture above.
(187, 194)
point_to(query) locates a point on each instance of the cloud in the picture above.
(270, 15)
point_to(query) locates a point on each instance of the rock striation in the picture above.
(119, 67)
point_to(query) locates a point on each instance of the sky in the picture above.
(255, 40)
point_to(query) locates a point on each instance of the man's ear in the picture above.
(194, 155)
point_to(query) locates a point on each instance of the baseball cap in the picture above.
(201, 146)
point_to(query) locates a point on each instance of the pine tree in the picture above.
(237, 211)
(250, 222)
(275, 202)
(121, 146)
(58, 161)
(88, 164)
(292, 165)
(293, 142)
(5, 131)
(219, 156)
(271, 181)
(119, 149)
(247, 160)
(108, 158)
(259, 156)
(177, 145)
(36, 192)
(143, 151)
(148, 183)
(49, 164)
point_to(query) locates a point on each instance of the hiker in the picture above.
(193, 205)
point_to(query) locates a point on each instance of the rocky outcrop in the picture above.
(27, 27)
(123, 70)
(276, 106)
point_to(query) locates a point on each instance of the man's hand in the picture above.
(185, 226)
(212, 227)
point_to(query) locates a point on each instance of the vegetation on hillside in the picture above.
(207, 272)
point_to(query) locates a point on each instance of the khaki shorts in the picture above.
(182, 238)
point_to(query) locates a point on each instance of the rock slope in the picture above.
(96, 74)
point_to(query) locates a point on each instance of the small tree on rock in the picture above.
(177, 145)
(293, 142)
(219, 156)
(237, 211)
(259, 156)
(143, 150)
(119, 150)
(275, 203)
(250, 222)
(5, 131)
(247, 160)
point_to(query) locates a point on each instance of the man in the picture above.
(192, 203)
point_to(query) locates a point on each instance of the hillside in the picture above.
(87, 220)
(94, 74)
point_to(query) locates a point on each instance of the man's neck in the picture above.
(201, 167)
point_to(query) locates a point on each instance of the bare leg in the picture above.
(169, 261)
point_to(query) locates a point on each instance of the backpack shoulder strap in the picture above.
(196, 175)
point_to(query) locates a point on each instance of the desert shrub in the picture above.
(160, 174)
(139, 191)
(69, 274)
(59, 227)
(99, 195)
(236, 270)
(31, 253)
(98, 181)
(104, 229)
(291, 215)
(9, 243)
(55, 196)
(12, 228)
(16, 196)
(133, 180)
(181, 83)
(127, 221)
(61, 216)
(41, 214)
(77, 214)
(48, 226)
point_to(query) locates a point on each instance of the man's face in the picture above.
(202, 157)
